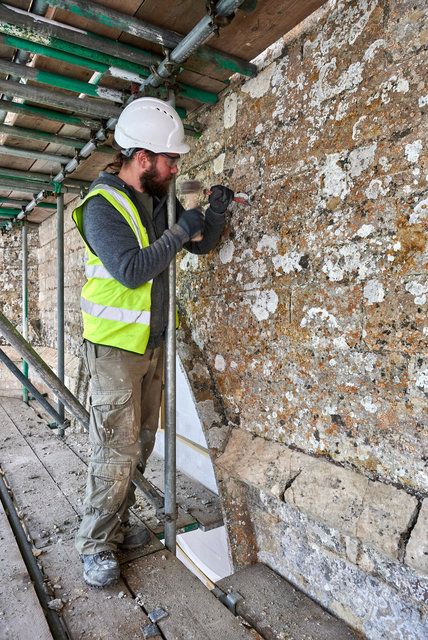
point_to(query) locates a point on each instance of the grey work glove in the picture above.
(220, 198)
(192, 221)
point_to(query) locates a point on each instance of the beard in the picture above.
(151, 183)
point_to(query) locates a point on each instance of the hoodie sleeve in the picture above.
(111, 238)
(214, 223)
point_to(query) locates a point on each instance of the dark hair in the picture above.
(120, 160)
(116, 164)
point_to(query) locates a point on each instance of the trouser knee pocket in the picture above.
(108, 485)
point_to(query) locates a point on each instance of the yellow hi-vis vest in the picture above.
(114, 315)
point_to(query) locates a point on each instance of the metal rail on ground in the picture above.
(55, 625)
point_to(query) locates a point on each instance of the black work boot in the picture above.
(100, 569)
(134, 535)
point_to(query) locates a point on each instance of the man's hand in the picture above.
(220, 198)
(192, 221)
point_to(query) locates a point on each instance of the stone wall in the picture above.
(42, 299)
(304, 333)
(74, 278)
(11, 279)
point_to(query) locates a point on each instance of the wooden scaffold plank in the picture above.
(96, 614)
(20, 609)
(193, 612)
(201, 503)
(51, 519)
(276, 609)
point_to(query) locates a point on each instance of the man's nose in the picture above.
(174, 169)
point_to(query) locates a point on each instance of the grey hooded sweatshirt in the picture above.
(111, 238)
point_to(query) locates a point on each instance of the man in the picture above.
(123, 222)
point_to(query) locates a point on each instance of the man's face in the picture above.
(156, 178)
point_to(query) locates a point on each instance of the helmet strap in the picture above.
(128, 153)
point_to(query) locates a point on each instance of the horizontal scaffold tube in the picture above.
(137, 76)
(50, 114)
(43, 136)
(38, 29)
(59, 81)
(38, 176)
(59, 100)
(14, 202)
(32, 187)
(165, 37)
(18, 152)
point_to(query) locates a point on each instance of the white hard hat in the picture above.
(149, 123)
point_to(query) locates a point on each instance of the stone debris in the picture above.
(139, 600)
(56, 604)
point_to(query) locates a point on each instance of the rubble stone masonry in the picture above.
(304, 333)
(12, 297)
(11, 279)
(74, 278)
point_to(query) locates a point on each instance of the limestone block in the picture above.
(372, 561)
(338, 501)
(376, 608)
(260, 463)
(400, 317)
(417, 547)
(385, 517)
(375, 513)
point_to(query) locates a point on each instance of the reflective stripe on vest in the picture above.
(113, 314)
(97, 271)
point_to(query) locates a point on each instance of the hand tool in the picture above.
(192, 187)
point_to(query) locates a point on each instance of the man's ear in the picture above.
(142, 159)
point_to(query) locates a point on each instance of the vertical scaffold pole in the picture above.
(25, 299)
(60, 298)
(170, 389)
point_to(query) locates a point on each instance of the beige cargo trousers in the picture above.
(125, 395)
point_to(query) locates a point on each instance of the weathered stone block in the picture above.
(376, 514)
(367, 603)
(417, 547)
(396, 313)
(363, 408)
(259, 462)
